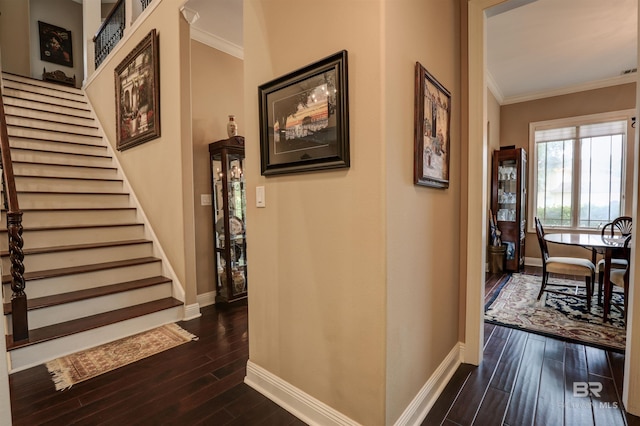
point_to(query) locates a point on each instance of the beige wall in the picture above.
(61, 13)
(14, 36)
(355, 273)
(422, 225)
(515, 119)
(317, 251)
(217, 79)
(160, 171)
(493, 137)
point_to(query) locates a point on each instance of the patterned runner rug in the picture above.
(75, 368)
(562, 316)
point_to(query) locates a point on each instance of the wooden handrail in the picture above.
(14, 231)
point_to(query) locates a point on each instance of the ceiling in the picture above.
(535, 48)
(547, 47)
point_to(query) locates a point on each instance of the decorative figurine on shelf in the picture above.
(232, 126)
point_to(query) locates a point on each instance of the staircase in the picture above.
(92, 273)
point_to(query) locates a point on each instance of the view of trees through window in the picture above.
(579, 174)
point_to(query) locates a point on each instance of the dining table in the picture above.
(597, 244)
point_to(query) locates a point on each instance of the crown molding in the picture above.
(216, 42)
(493, 87)
(592, 85)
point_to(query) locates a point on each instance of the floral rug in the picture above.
(563, 316)
(77, 367)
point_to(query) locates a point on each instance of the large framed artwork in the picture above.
(304, 118)
(55, 44)
(432, 136)
(137, 80)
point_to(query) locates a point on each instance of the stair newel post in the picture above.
(14, 231)
(18, 297)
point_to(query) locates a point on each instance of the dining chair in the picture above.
(620, 278)
(620, 226)
(564, 265)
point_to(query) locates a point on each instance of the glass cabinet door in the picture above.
(229, 214)
(507, 190)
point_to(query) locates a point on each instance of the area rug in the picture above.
(563, 316)
(80, 366)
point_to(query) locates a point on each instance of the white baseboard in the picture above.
(314, 412)
(418, 409)
(300, 404)
(191, 312)
(533, 261)
(206, 299)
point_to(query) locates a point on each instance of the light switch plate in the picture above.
(260, 198)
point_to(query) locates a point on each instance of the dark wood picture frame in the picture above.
(304, 118)
(137, 80)
(55, 44)
(432, 131)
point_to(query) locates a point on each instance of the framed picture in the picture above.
(55, 44)
(432, 120)
(137, 80)
(304, 119)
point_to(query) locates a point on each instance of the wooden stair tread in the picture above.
(48, 111)
(68, 178)
(48, 151)
(57, 249)
(58, 228)
(68, 328)
(23, 79)
(64, 165)
(74, 209)
(74, 296)
(50, 273)
(86, 126)
(35, 138)
(18, 126)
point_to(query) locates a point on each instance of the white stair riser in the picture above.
(43, 201)
(60, 313)
(31, 183)
(30, 356)
(71, 258)
(39, 97)
(70, 236)
(74, 217)
(60, 126)
(54, 136)
(46, 115)
(25, 155)
(62, 170)
(21, 143)
(43, 87)
(26, 103)
(75, 282)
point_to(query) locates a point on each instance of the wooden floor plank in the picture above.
(550, 404)
(191, 384)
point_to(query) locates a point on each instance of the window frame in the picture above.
(627, 164)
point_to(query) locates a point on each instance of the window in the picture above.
(579, 172)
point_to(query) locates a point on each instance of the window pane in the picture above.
(555, 174)
(600, 180)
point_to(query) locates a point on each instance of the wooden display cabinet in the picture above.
(229, 214)
(509, 202)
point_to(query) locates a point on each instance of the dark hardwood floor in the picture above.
(527, 379)
(199, 382)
